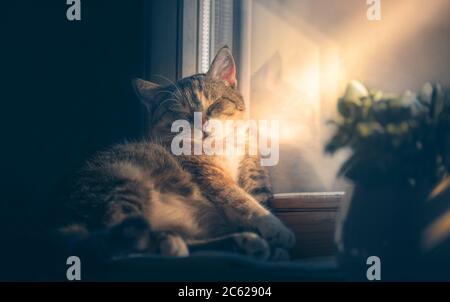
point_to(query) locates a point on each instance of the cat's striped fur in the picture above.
(145, 199)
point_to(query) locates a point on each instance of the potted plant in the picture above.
(399, 150)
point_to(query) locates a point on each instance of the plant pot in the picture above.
(436, 234)
(380, 221)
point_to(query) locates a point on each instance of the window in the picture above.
(269, 93)
(296, 57)
(293, 74)
(217, 28)
(208, 25)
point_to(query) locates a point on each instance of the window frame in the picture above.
(173, 57)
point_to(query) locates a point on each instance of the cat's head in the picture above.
(214, 94)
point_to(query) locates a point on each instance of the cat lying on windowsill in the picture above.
(140, 198)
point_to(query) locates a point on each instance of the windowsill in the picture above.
(307, 201)
(312, 217)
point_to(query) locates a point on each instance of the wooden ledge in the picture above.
(312, 217)
(307, 201)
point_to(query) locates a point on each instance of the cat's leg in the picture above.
(254, 179)
(245, 243)
(171, 245)
(280, 254)
(133, 235)
(240, 207)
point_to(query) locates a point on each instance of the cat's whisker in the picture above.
(168, 100)
(172, 93)
(170, 82)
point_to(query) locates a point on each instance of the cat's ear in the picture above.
(223, 68)
(145, 90)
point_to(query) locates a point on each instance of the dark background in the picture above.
(65, 93)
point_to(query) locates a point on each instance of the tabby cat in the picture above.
(147, 200)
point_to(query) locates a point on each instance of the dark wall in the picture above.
(65, 94)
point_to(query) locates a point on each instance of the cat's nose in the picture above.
(206, 130)
(205, 124)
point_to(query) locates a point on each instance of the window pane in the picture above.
(223, 24)
(205, 35)
(303, 53)
(216, 29)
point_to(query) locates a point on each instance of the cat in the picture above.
(144, 199)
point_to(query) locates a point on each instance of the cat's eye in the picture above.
(170, 106)
(223, 106)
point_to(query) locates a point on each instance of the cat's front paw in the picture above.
(279, 254)
(173, 245)
(274, 231)
(252, 245)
